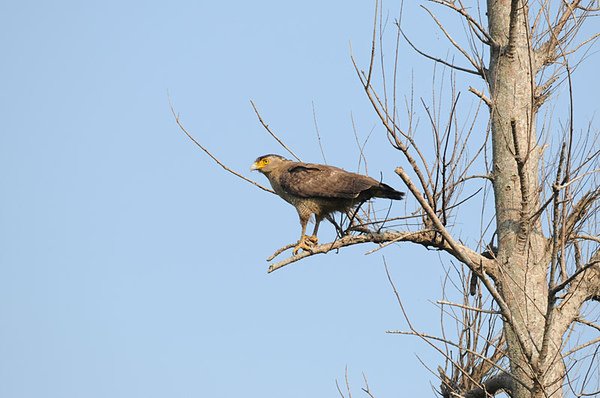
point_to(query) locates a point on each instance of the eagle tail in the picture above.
(385, 191)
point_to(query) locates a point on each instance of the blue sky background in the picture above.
(132, 266)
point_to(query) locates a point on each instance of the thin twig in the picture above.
(570, 279)
(439, 60)
(318, 134)
(266, 126)
(488, 39)
(459, 252)
(467, 307)
(281, 250)
(476, 65)
(213, 157)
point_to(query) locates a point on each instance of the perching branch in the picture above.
(425, 238)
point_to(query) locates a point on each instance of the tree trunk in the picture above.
(522, 255)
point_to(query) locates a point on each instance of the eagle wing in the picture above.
(314, 180)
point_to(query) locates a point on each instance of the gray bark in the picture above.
(522, 257)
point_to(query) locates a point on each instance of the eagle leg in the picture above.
(313, 238)
(306, 242)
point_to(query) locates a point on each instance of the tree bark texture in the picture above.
(522, 256)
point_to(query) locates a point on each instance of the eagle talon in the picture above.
(305, 243)
(313, 239)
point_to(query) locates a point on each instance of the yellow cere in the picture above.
(259, 164)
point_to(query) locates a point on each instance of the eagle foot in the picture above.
(305, 243)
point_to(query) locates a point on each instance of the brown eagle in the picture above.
(319, 189)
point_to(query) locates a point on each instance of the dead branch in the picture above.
(478, 66)
(391, 129)
(588, 323)
(486, 360)
(213, 157)
(458, 252)
(266, 126)
(582, 286)
(439, 60)
(573, 277)
(425, 238)
(546, 53)
(482, 96)
(458, 366)
(457, 249)
(475, 26)
(281, 250)
(588, 237)
(579, 212)
(318, 133)
(582, 346)
(467, 307)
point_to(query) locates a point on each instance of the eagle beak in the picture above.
(254, 166)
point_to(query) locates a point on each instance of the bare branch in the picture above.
(580, 211)
(588, 237)
(425, 238)
(481, 95)
(588, 323)
(458, 250)
(523, 182)
(425, 336)
(372, 59)
(213, 157)
(467, 307)
(478, 67)
(473, 23)
(391, 129)
(459, 253)
(281, 250)
(582, 346)
(318, 133)
(439, 60)
(546, 53)
(583, 285)
(570, 279)
(266, 126)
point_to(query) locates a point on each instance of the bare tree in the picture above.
(525, 286)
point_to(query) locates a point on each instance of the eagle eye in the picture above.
(265, 161)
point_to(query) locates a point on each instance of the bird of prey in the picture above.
(319, 189)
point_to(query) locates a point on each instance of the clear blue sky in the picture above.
(131, 266)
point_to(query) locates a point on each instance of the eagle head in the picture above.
(265, 163)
